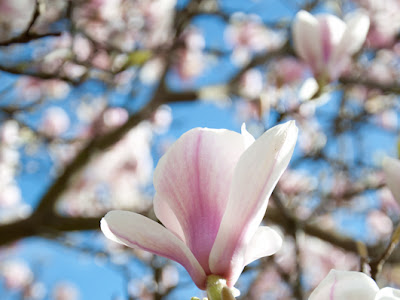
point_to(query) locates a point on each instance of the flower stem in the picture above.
(217, 289)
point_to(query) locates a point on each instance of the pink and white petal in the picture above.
(306, 37)
(388, 293)
(391, 167)
(166, 215)
(137, 231)
(332, 30)
(256, 175)
(349, 285)
(265, 242)
(194, 178)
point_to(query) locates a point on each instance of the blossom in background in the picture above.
(382, 32)
(326, 43)
(212, 190)
(16, 274)
(14, 17)
(351, 285)
(65, 291)
(248, 35)
(55, 122)
(391, 167)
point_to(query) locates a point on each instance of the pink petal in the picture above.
(332, 29)
(256, 175)
(388, 293)
(391, 167)
(265, 242)
(194, 178)
(306, 34)
(166, 215)
(137, 231)
(351, 40)
(349, 285)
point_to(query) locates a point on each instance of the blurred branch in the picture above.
(377, 264)
(27, 36)
(260, 59)
(384, 87)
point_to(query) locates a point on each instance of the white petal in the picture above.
(350, 42)
(306, 39)
(248, 138)
(255, 176)
(265, 242)
(391, 167)
(349, 285)
(308, 89)
(388, 294)
(137, 231)
(356, 32)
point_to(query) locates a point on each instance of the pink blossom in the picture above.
(17, 274)
(9, 133)
(351, 285)
(251, 84)
(289, 70)
(55, 122)
(380, 224)
(248, 35)
(33, 89)
(65, 291)
(212, 189)
(387, 119)
(383, 32)
(326, 43)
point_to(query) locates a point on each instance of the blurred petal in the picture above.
(265, 242)
(391, 167)
(137, 231)
(256, 175)
(347, 285)
(351, 40)
(332, 29)
(356, 32)
(308, 89)
(306, 35)
(194, 178)
(388, 294)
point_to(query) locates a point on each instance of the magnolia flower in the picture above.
(351, 285)
(326, 43)
(391, 167)
(212, 190)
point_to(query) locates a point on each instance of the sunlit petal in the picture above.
(388, 294)
(256, 175)
(356, 32)
(137, 231)
(247, 137)
(265, 242)
(340, 285)
(305, 27)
